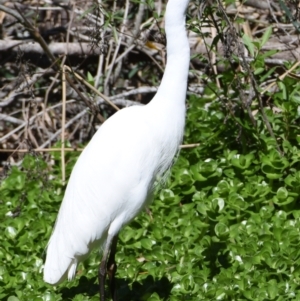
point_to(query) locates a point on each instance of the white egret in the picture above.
(113, 179)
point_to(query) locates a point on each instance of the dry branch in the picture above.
(77, 49)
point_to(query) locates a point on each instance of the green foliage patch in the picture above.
(225, 226)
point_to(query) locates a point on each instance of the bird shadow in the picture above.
(137, 291)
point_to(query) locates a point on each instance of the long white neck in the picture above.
(174, 82)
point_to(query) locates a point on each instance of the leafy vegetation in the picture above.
(224, 226)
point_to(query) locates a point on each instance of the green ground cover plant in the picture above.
(225, 224)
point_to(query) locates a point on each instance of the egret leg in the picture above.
(112, 268)
(111, 243)
(102, 268)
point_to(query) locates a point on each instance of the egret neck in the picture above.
(172, 90)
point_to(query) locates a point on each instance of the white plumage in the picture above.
(113, 178)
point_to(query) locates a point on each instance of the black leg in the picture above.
(112, 268)
(102, 267)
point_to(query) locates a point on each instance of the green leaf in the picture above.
(11, 232)
(250, 46)
(221, 230)
(90, 78)
(147, 243)
(13, 298)
(266, 36)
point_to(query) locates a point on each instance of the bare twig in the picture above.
(121, 36)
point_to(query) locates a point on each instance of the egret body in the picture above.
(113, 179)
